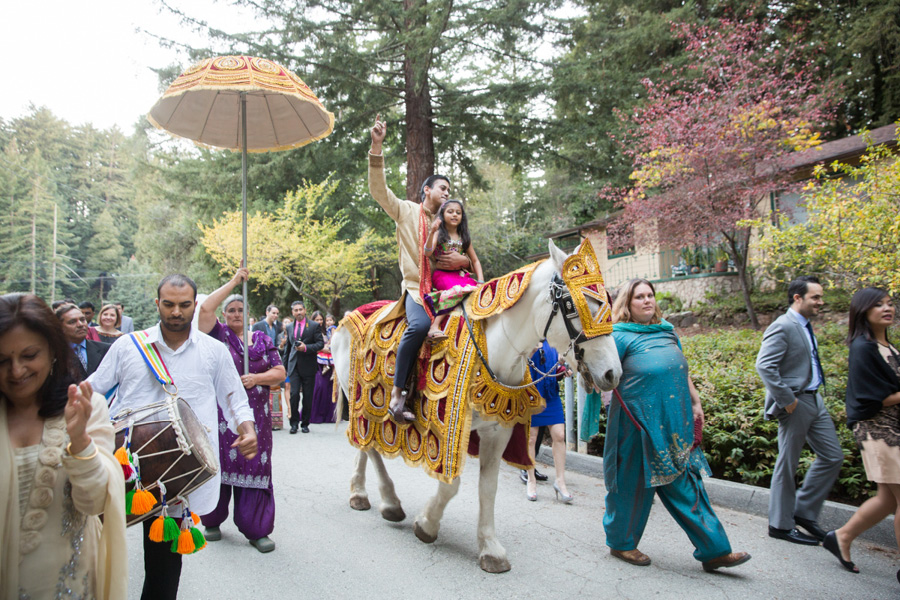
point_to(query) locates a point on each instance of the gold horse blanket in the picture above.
(452, 384)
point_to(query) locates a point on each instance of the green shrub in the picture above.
(733, 303)
(836, 300)
(669, 302)
(740, 444)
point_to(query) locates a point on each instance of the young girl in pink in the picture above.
(450, 231)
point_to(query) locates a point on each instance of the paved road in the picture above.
(326, 550)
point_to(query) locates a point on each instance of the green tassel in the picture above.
(199, 540)
(129, 496)
(175, 544)
(170, 530)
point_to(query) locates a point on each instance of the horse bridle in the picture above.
(562, 303)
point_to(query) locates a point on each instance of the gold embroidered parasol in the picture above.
(242, 103)
(204, 105)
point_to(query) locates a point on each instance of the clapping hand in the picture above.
(77, 413)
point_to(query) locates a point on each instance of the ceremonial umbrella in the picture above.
(242, 103)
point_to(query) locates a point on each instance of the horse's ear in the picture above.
(557, 255)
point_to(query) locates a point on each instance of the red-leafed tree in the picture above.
(708, 142)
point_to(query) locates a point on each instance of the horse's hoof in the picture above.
(393, 514)
(359, 503)
(422, 535)
(492, 564)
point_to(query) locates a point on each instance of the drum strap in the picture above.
(150, 353)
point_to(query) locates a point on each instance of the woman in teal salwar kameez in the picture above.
(649, 447)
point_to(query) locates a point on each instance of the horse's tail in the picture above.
(338, 398)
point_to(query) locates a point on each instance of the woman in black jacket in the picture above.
(873, 413)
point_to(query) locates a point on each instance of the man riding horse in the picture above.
(412, 219)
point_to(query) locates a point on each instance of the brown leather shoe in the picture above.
(731, 559)
(632, 557)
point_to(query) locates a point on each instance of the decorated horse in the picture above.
(474, 391)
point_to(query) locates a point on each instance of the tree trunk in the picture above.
(37, 184)
(419, 112)
(740, 261)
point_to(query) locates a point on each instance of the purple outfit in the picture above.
(322, 410)
(254, 499)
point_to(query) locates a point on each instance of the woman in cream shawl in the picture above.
(57, 470)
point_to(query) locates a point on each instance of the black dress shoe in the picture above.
(792, 535)
(523, 475)
(540, 476)
(811, 527)
(304, 429)
(293, 429)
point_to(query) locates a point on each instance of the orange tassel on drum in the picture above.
(195, 518)
(142, 502)
(185, 541)
(122, 456)
(157, 528)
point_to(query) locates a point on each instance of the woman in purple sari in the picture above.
(249, 481)
(323, 405)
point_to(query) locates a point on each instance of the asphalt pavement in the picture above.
(327, 550)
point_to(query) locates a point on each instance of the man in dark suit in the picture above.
(88, 352)
(304, 340)
(789, 366)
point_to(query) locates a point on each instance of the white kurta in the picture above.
(204, 373)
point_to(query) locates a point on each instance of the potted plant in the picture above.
(721, 260)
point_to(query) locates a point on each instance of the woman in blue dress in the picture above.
(649, 447)
(545, 359)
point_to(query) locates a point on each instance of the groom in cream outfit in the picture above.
(788, 363)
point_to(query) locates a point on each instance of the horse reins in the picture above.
(560, 298)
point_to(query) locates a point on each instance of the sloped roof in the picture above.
(847, 150)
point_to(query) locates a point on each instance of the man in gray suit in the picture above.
(127, 324)
(788, 363)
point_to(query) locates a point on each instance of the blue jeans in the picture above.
(418, 324)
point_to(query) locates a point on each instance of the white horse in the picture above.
(511, 339)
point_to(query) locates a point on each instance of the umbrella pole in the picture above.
(244, 228)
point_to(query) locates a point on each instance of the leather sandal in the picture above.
(732, 559)
(632, 557)
(435, 336)
(401, 415)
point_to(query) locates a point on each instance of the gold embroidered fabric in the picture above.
(203, 105)
(455, 384)
(581, 274)
(496, 295)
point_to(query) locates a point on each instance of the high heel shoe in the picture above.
(560, 497)
(532, 496)
(830, 543)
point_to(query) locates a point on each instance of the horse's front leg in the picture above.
(390, 503)
(492, 555)
(359, 497)
(429, 522)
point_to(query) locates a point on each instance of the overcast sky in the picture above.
(84, 59)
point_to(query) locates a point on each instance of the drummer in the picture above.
(205, 377)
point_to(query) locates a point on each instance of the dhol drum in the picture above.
(171, 446)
